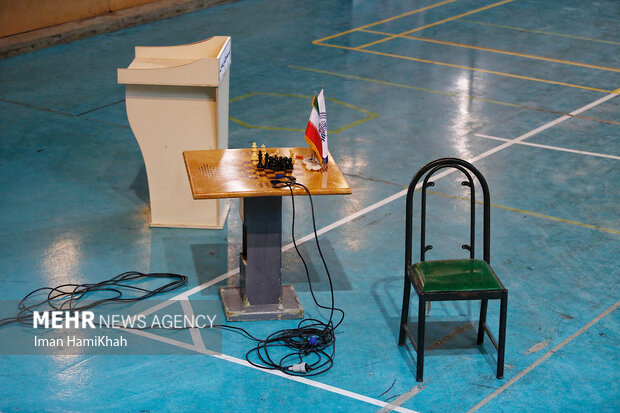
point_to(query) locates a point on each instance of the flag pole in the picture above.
(312, 157)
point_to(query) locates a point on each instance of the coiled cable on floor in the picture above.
(312, 344)
(71, 297)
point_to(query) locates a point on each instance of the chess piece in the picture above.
(260, 164)
(254, 156)
(292, 155)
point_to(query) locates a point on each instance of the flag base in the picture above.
(312, 164)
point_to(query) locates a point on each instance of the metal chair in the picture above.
(457, 279)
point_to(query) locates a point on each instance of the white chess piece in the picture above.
(254, 156)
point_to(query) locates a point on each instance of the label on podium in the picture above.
(225, 59)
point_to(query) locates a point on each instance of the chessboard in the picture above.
(229, 173)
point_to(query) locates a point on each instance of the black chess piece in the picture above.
(289, 164)
(260, 160)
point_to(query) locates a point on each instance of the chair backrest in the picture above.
(426, 172)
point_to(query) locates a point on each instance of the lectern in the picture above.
(177, 100)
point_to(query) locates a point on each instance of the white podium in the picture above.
(177, 100)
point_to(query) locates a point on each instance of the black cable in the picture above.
(69, 297)
(312, 341)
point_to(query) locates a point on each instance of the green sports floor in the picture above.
(527, 90)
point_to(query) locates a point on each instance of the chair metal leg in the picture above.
(483, 320)
(404, 318)
(420, 343)
(502, 335)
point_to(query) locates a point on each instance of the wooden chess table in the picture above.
(229, 173)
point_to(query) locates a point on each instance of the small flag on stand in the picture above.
(316, 131)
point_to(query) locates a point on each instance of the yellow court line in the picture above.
(415, 59)
(521, 29)
(370, 114)
(453, 94)
(426, 26)
(535, 214)
(352, 106)
(357, 122)
(421, 89)
(487, 49)
(247, 125)
(409, 13)
(350, 125)
(247, 95)
(293, 95)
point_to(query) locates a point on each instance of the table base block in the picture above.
(236, 310)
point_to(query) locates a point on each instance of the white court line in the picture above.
(352, 217)
(186, 294)
(245, 363)
(391, 406)
(183, 296)
(545, 127)
(543, 358)
(317, 384)
(194, 332)
(555, 148)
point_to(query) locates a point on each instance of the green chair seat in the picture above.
(455, 275)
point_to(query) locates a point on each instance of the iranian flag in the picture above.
(316, 131)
